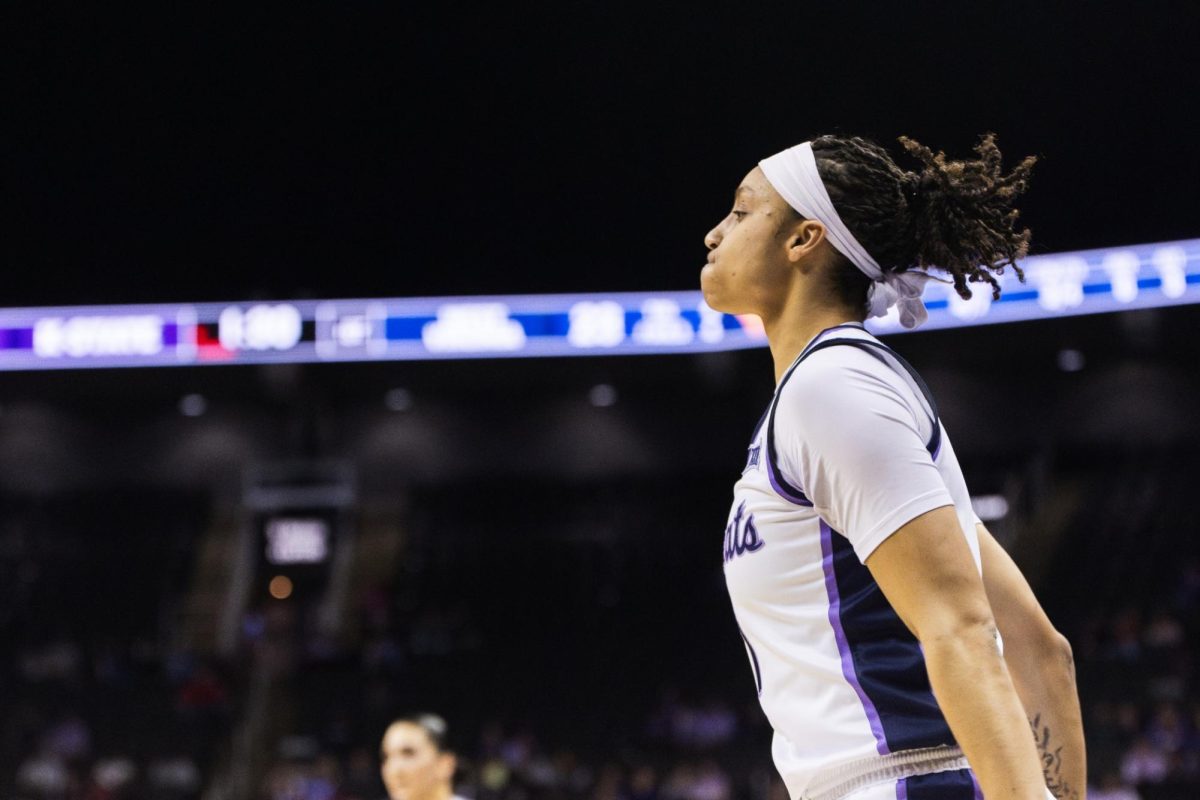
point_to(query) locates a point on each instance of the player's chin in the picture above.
(719, 300)
(711, 289)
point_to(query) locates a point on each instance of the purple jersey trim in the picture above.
(754, 662)
(784, 490)
(835, 619)
(794, 494)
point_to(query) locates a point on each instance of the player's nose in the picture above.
(713, 238)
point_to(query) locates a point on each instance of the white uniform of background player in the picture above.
(849, 451)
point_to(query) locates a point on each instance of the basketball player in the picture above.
(896, 649)
(415, 761)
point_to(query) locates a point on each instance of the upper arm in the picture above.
(926, 571)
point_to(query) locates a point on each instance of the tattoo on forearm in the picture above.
(1051, 761)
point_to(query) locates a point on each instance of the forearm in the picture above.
(1046, 685)
(976, 694)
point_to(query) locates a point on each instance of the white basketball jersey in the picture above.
(849, 451)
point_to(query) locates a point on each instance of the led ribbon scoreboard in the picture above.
(399, 329)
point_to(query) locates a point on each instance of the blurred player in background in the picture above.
(415, 761)
(862, 581)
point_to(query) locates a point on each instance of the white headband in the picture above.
(793, 173)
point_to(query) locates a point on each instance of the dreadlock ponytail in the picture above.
(956, 217)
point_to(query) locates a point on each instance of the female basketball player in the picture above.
(415, 761)
(863, 583)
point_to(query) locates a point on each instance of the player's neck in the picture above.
(795, 326)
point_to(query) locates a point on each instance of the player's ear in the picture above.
(803, 240)
(447, 763)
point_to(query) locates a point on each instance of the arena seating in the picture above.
(577, 636)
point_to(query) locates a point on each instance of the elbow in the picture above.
(1059, 652)
(1047, 652)
(965, 628)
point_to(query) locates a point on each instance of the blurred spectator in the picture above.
(643, 784)
(44, 775)
(69, 739)
(58, 660)
(1164, 632)
(608, 785)
(176, 776)
(111, 779)
(1111, 788)
(1144, 764)
(1167, 731)
(711, 783)
(202, 692)
(1126, 642)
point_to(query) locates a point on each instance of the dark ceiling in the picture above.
(430, 148)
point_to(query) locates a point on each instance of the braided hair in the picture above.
(953, 216)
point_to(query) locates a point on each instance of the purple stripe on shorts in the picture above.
(902, 789)
(835, 619)
(975, 785)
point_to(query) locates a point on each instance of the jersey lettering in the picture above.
(752, 457)
(741, 536)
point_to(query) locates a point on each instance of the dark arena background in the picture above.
(352, 362)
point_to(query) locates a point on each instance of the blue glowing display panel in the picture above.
(399, 329)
